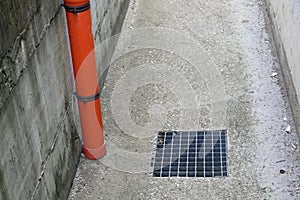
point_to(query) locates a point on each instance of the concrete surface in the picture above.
(195, 65)
(39, 142)
(40, 145)
(285, 18)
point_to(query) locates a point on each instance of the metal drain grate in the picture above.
(190, 154)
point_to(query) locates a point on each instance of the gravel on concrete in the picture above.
(195, 65)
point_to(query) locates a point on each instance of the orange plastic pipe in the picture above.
(86, 77)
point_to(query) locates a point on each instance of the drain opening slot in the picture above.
(190, 154)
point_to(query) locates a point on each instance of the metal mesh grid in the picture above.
(190, 154)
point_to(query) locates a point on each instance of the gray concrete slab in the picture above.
(195, 65)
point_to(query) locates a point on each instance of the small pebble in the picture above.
(274, 74)
(288, 129)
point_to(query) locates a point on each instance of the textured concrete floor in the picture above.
(195, 65)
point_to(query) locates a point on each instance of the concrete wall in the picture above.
(285, 20)
(40, 146)
(108, 17)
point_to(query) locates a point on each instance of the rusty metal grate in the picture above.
(190, 154)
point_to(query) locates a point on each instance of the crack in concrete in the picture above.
(45, 162)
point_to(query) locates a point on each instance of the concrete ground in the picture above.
(195, 65)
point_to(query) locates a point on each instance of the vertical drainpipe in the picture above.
(86, 77)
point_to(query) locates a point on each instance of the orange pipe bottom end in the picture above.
(94, 154)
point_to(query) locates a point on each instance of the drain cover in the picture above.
(190, 154)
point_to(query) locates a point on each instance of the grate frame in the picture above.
(190, 154)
